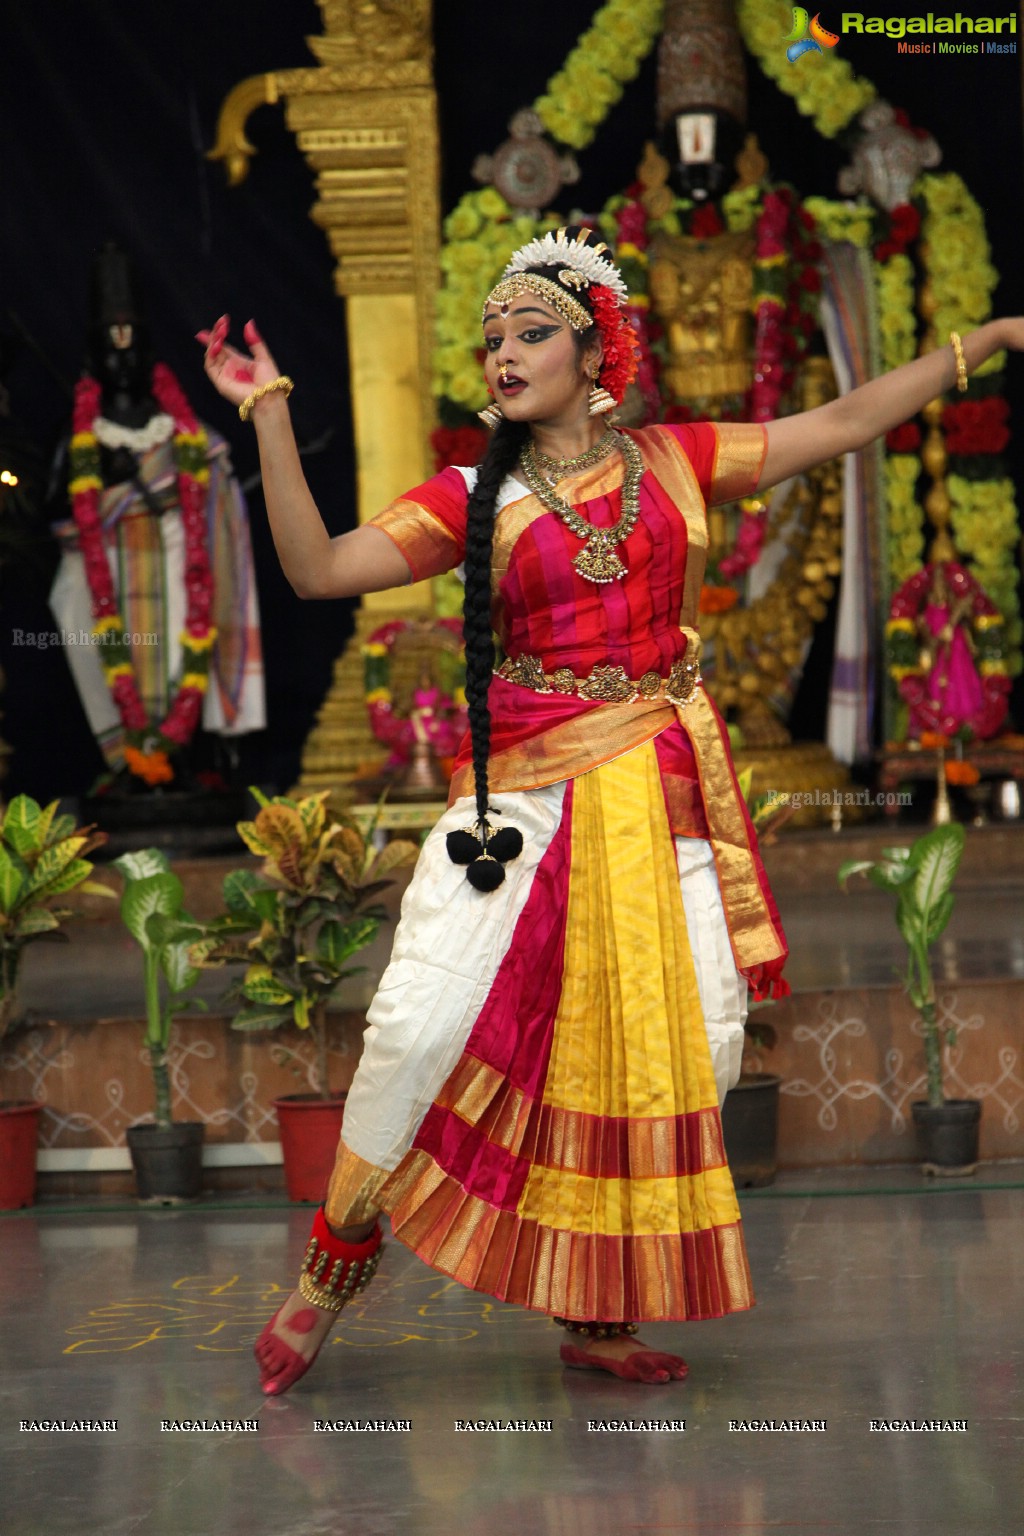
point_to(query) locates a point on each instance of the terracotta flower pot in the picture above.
(19, 1136)
(310, 1127)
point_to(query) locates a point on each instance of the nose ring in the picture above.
(503, 372)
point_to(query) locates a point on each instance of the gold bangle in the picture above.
(961, 361)
(282, 382)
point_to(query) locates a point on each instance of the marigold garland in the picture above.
(149, 747)
(577, 99)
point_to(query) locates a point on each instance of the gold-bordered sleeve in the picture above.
(428, 524)
(740, 449)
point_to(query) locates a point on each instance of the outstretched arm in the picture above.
(315, 564)
(797, 443)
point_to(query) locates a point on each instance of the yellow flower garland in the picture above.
(897, 331)
(823, 86)
(985, 524)
(906, 523)
(578, 98)
(854, 222)
(957, 257)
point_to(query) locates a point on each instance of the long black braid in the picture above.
(485, 852)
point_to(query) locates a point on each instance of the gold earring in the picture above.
(600, 401)
(491, 416)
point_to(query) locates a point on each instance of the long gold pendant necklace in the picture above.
(597, 560)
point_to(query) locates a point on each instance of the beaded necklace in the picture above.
(597, 560)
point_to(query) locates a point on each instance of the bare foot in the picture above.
(290, 1343)
(626, 1356)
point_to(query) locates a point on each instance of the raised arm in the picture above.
(315, 564)
(797, 443)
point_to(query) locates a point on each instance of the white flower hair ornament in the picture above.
(555, 250)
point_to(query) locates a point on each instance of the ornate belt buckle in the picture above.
(610, 685)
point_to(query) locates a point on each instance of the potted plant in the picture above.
(750, 1114)
(296, 924)
(167, 1156)
(921, 878)
(42, 856)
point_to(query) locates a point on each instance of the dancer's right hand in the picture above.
(236, 374)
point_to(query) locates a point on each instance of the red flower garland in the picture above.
(977, 426)
(148, 746)
(904, 227)
(631, 227)
(786, 276)
(457, 445)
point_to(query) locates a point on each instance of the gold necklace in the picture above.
(557, 469)
(597, 560)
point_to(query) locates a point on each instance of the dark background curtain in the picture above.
(107, 109)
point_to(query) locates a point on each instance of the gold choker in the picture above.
(557, 469)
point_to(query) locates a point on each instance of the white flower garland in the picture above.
(158, 429)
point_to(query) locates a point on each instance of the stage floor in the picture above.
(881, 1297)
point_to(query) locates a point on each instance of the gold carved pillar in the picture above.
(366, 120)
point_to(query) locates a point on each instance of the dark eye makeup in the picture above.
(532, 336)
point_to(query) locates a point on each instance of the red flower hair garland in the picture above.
(619, 366)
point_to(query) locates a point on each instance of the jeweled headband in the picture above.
(510, 288)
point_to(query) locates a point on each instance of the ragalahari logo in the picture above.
(799, 41)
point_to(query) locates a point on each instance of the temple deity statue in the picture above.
(701, 281)
(155, 593)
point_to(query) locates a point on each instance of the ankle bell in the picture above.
(334, 1271)
(599, 1330)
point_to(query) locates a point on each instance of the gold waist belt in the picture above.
(609, 685)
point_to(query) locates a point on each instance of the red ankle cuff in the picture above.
(334, 1271)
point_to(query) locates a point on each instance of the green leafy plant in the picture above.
(921, 878)
(42, 856)
(298, 922)
(152, 912)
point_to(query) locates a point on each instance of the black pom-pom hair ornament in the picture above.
(485, 852)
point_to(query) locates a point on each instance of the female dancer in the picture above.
(537, 1105)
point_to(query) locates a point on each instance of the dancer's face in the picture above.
(532, 363)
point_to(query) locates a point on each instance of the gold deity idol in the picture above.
(701, 292)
